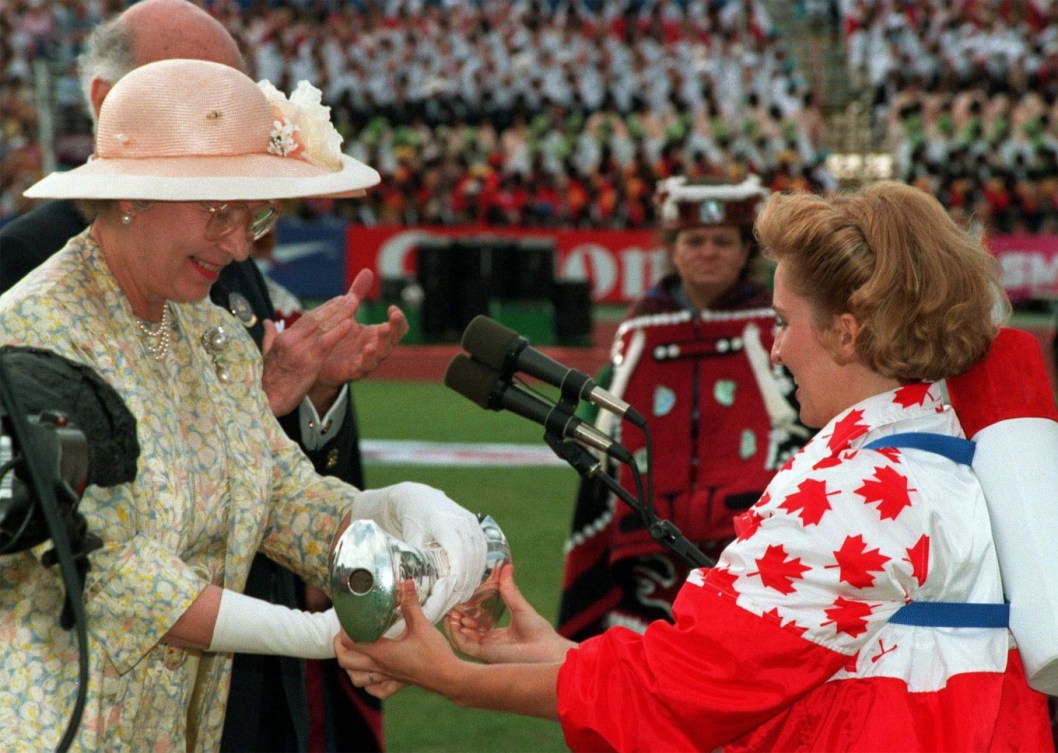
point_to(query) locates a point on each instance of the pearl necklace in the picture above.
(158, 334)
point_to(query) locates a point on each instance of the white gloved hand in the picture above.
(422, 516)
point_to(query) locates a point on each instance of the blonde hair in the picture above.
(923, 289)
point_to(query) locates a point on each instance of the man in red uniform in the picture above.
(691, 357)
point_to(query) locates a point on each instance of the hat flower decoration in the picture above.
(302, 127)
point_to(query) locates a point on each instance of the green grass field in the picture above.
(533, 506)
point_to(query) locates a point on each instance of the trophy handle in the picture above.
(367, 566)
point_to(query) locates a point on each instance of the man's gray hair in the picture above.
(107, 55)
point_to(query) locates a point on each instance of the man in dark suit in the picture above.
(268, 708)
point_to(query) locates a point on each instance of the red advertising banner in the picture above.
(1029, 263)
(621, 265)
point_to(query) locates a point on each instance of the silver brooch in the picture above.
(215, 340)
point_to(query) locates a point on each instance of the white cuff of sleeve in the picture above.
(316, 431)
(246, 625)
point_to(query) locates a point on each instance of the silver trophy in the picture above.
(367, 566)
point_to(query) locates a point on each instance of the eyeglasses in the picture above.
(224, 219)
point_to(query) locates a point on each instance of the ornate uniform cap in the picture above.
(693, 203)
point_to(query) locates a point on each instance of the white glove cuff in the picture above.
(246, 625)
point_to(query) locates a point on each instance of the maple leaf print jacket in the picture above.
(787, 644)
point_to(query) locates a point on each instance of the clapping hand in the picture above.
(325, 348)
(359, 351)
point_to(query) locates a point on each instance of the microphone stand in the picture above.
(662, 530)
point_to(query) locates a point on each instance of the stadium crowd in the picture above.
(567, 112)
(965, 95)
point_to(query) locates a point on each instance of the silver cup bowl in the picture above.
(367, 566)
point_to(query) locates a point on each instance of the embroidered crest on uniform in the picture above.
(710, 212)
(664, 400)
(724, 392)
(653, 575)
(241, 308)
(747, 448)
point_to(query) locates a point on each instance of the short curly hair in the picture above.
(927, 293)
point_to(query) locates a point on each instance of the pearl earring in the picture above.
(126, 218)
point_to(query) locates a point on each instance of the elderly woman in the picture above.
(190, 159)
(693, 355)
(802, 638)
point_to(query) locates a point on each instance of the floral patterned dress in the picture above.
(217, 480)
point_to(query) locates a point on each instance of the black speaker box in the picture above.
(572, 300)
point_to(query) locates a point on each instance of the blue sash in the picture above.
(957, 450)
(943, 613)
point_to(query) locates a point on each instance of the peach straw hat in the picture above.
(192, 130)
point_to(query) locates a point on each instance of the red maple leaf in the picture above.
(811, 499)
(918, 556)
(774, 616)
(846, 430)
(722, 579)
(747, 524)
(889, 489)
(891, 453)
(849, 617)
(911, 394)
(827, 462)
(778, 571)
(857, 562)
